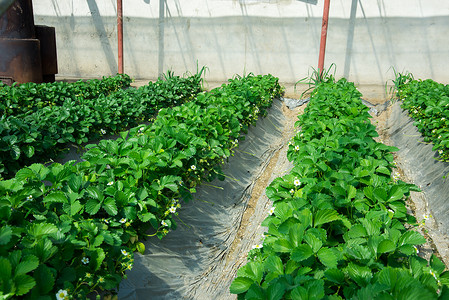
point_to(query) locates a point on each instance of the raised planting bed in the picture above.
(339, 227)
(72, 229)
(59, 114)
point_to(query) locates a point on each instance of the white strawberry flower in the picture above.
(122, 220)
(163, 223)
(258, 246)
(271, 210)
(297, 147)
(62, 295)
(110, 183)
(103, 131)
(193, 167)
(297, 182)
(172, 209)
(124, 252)
(85, 260)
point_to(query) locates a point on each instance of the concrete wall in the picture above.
(366, 38)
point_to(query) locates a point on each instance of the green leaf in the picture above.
(39, 229)
(325, 216)
(383, 170)
(334, 275)
(29, 151)
(313, 241)
(301, 252)
(305, 217)
(395, 193)
(67, 274)
(386, 246)
(275, 291)
(327, 257)
(98, 257)
(5, 269)
(436, 264)
(75, 182)
(240, 285)
(75, 207)
(92, 206)
(15, 152)
(56, 197)
(28, 264)
(380, 194)
(282, 245)
(24, 283)
(5, 235)
(110, 207)
(44, 279)
(411, 238)
(352, 192)
(360, 274)
(274, 265)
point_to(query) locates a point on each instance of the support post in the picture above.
(323, 36)
(120, 36)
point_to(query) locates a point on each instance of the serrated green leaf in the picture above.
(66, 275)
(301, 252)
(395, 193)
(360, 274)
(436, 264)
(44, 279)
(386, 246)
(411, 238)
(15, 152)
(56, 197)
(327, 257)
(75, 182)
(282, 245)
(314, 242)
(274, 265)
(97, 257)
(275, 291)
(39, 229)
(334, 275)
(92, 206)
(240, 285)
(75, 207)
(352, 192)
(28, 264)
(5, 235)
(24, 283)
(325, 216)
(5, 269)
(110, 207)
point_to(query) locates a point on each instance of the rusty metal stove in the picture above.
(27, 52)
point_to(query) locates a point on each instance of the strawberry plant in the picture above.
(28, 97)
(339, 227)
(41, 134)
(427, 102)
(71, 230)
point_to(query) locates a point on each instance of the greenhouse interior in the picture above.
(224, 149)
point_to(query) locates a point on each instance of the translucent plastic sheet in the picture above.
(418, 161)
(200, 258)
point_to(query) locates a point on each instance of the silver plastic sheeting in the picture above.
(419, 163)
(200, 258)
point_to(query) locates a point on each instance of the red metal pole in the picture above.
(323, 36)
(120, 35)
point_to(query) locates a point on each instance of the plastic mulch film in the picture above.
(200, 258)
(418, 162)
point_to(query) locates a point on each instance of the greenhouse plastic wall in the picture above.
(366, 39)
